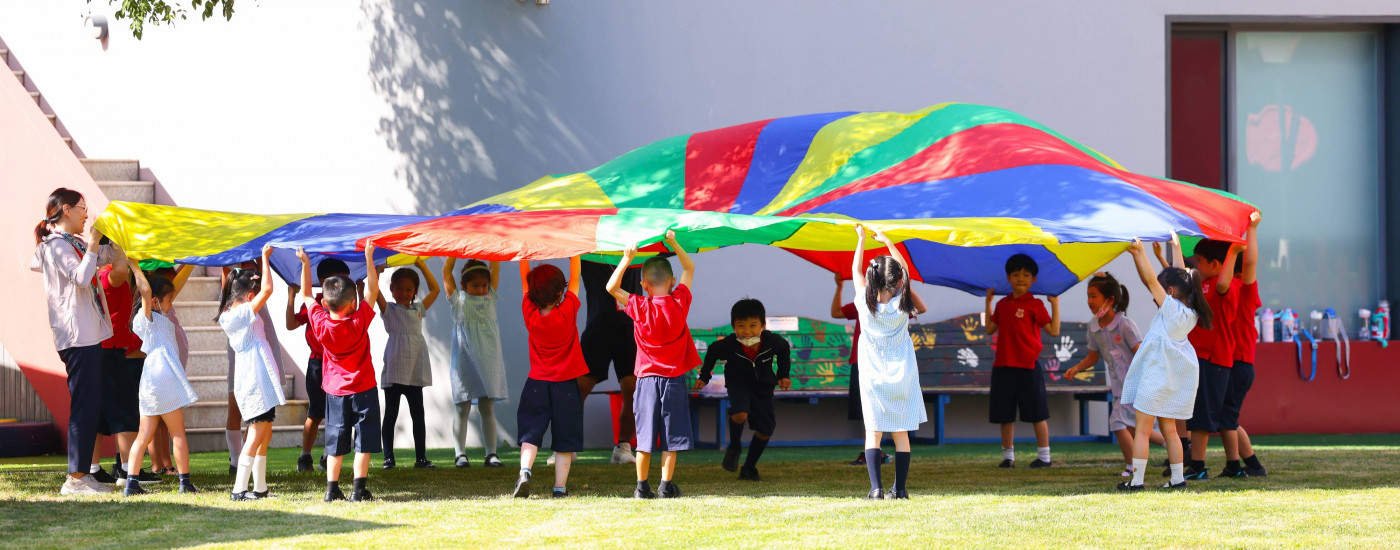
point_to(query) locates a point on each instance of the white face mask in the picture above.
(750, 341)
(1102, 312)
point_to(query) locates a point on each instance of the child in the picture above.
(233, 427)
(1246, 337)
(1114, 338)
(607, 340)
(550, 396)
(1162, 379)
(406, 370)
(257, 384)
(342, 327)
(478, 366)
(750, 354)
(160, 445)
(165, 391)
(1215, 260)
(1018, 383)
(849, 313)
(315, 396)
(891, 399)
(121, 376)
(665, 352)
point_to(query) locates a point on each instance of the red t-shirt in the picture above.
(311, 341)
(555, 354)
(119, 310)
(1246, 334)
(849, 311)
(1217, 344)
(664, 345)
(347, 368)
(1018, 330)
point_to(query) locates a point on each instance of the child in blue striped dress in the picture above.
(1161, 381)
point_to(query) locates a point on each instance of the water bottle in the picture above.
(1364, 319)
(1266, 329)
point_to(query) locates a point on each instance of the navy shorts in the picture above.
(604, 345)
(662, 409)
(545, 405)
(358, 412)
(1210, 397)
(1241, 379)
(758, 403)
(315, 395)
(120, 410)
(1016, 388)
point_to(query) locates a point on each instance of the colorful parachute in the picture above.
(960, 186)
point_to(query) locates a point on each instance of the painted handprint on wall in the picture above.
(972, 329)
(968, 358)
(1065, 349)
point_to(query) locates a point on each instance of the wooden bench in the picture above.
(955, 358)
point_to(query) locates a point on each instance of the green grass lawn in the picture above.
(1330, 491)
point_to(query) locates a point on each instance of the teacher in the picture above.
(78, 316)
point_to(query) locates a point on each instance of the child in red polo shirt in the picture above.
(1246, 339)
(551, 393)
(665, 352)
(352, 398)
(1018, 382)
(315, 396)
(1215, 350)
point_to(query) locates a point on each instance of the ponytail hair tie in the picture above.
(874, 263)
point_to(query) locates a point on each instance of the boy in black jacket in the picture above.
(749, 355)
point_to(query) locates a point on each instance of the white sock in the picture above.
(626, 446)
(126, 466)
(94, 468)
(459, 427)
(234, 438)
(245, 467)
(1008, 453)
(1176, 473)
(487, 408)
(260, 473)
(1139, 468)
(1043, 453)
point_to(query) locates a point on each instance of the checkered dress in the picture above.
(1162, 378)
(891, 399)
(164, 387)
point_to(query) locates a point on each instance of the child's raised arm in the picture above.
(919, 307)
(371, 276)
(448, 282)
(687, 266)
(1053, 329)
(292, 292)
(143, 286)
(265, 291)
(1227, 270)
(991, 327)
(379, 298)
(575, 269)
(495, 275)
(1249, 271)
(836, 312)
(898, 257)
(858, 263)
(525, 277)
(431, 281)
(305, 279)
(615, 281)
(1144, 269)
(181, 277)
(1178, 259)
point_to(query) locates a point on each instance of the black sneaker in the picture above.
(1233, 471)
(462, 462)
(1256, 472)
(334, 494)
(493, 461)
(1174, 486)
(188, 488)
(875, 494)
(1007, 463)
(304, 463)
(859, 461)
(749, 473)
(1038, 463)
(893, 494)
(425, 463)
(522, 485)
(147, 478)
(389, 464)
(1128, 486)
(245, 495)
(1163, 464)
(670, 490)
(643, 492)
(360, 495)
(322, 466)
(133, 489)
(731, 458)
(1196, 474)
(561, 494)
(262, 494)
(119, 472)
(103, 477)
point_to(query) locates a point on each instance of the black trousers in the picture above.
(84, 366)
(391, 417)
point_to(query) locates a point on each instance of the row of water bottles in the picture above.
(1374, 325)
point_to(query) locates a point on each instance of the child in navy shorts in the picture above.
(755, 361)
(352, 398)
(665, 352)
(551, 396)
(1215, 352)
(1017, 379)
(1246, 337)
(315, 396)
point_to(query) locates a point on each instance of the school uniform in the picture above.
(1018, 380)
(1115, 342)
(1215, 354)
(1246, 338)
(551, 396)
(1162, 378)
(315, 396)
(665, 353)
(121, 375)
(352, 400)
(257, 386)
(750, 375)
